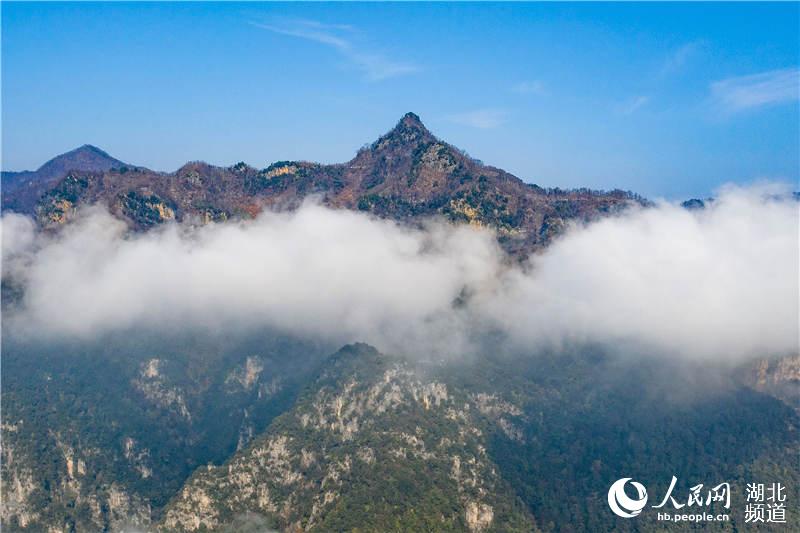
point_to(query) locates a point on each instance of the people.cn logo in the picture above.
(621, 504)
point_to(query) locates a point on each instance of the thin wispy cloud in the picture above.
(634, 104)
(680, 57)
(374, 65)
(480, 118)
(529, 87)
(757, 90)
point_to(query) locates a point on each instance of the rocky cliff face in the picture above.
(372, 445)
(86, 501)
(99, 441)
(777, 377)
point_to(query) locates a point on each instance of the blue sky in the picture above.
(667, 100)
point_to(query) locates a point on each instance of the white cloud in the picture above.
(374, 65)
(719, 283)
(716, 283)
(680, 57)
(329, 273)
(480, 118)
(757, 90)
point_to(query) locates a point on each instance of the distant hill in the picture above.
(86, 158)
(406, 174)
(26, 186)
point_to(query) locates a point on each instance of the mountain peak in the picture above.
(86, 158)
(88, 148)
(411, 120)
(411, 124)
(409, 131)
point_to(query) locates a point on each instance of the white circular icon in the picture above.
(621, 504)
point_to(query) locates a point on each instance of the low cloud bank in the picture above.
(719, 283)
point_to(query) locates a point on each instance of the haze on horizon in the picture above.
(552, 93)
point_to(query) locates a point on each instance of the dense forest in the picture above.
(108, 436)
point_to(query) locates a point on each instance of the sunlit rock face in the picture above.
(368, 421)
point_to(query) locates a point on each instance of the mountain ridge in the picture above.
(405, 175)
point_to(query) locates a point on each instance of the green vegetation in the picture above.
(95, 404)
(591, 419)
(382, 460)
(146, 210)
(546, 435)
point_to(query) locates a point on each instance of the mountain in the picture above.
(406, 174)
(379, 443)
(86, 158)
(371, 446)
(253, 430)
(198, 433)
(99, 435)
(28, 185)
